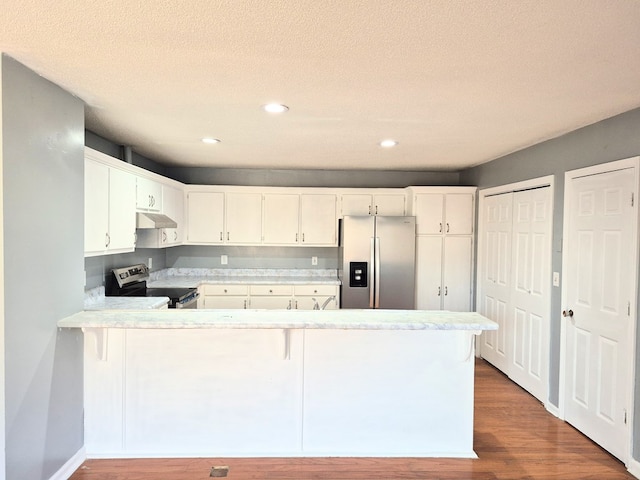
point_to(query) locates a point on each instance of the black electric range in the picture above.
(132, 282)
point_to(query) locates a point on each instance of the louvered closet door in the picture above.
(494, 276)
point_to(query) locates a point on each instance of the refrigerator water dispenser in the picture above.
(358, 274)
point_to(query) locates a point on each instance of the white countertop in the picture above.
(194, 277)
(283, 319)
(126, 303)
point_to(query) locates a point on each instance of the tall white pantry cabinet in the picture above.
(444, 246)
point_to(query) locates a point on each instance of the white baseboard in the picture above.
(71, 466)
(552, 409)
(633, 466)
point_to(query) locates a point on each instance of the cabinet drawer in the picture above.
(315, 290)
(271, 289)
(225, 289)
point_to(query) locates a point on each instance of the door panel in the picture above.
(495, 275)
(599, 287)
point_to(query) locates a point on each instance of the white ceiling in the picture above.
(457, 83)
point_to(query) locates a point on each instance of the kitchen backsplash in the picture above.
(210, 257)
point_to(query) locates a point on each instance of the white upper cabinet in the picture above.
(281, 218)
(148, 195)
(243, 218)
(389, 204)
(172, 207)
(356, 204)
(205, 217)
(392, 204)
(443, 213)
(110, 221)
(318, 221)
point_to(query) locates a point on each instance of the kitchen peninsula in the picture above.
(176, 383)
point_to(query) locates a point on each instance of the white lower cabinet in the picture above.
(224, 296)
(315, 297)
(271, 297)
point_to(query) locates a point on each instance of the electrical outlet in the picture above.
(314, 260)
(224, 260)
(150, 263)
(556, 279)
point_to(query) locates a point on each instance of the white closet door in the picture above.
(494, 276)
(530, 308)
(600, 287)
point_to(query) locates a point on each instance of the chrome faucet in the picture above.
(327, 301)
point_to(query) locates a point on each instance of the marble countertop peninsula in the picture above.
(95, 299)
(194, 277)
(281, 319)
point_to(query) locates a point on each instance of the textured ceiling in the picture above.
(457, 83)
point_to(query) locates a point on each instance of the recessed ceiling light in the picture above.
(275, 108)
(210, 140)
(388, 143)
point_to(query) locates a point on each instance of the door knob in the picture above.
(567, 313)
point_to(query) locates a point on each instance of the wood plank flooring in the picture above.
(515, 439)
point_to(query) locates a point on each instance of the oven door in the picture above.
(190, 302)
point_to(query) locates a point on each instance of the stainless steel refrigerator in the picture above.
(377, 262)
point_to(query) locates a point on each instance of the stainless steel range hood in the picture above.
(154, 220)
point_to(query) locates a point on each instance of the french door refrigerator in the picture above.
(377, 262)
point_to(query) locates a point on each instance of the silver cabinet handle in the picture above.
(296, 238)
(439, 291)
(164, 236)
(376, 209)
(107, 239)
(440, 227)
(245, 304)
(302, 237)
(220, 236)
(175, 236)
(446, 291)
(447, 227)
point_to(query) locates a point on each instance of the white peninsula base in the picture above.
(215, 392)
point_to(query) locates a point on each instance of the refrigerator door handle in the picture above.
(372, 266)
(377, 273)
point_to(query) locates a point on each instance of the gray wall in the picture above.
(97, 268)
(252, 257)
(311, 178)
(42, 181)
(612, 139)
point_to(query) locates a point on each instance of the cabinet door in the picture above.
(148, 195)
(356, 204)
(280, 219)
(389, 204)
(122, 214)
(173, 207)
(318, 223)
(459, 213)
(96, 207)
(457, 274)
(225, 302)
(271, 303)
(205, 217)
(428, 210)
(429, 273)
(244, 218)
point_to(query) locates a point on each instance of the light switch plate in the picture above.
(314, 260)
(224, 260)
(556, 279)
(150, 263)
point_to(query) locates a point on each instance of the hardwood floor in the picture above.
(515, 438)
